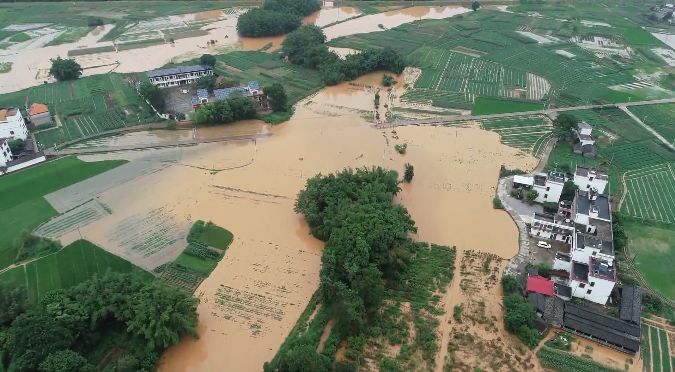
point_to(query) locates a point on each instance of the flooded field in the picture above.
(31, 60)
(253, 298)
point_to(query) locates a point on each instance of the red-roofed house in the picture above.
(39, 114)
(539, 284)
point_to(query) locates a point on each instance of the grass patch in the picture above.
(19, 37)
(653, 248)
(278, 117)
(487, 105)
(193, 263)
(71, 35)
(5, 67)
(21, 197)
(70, 266)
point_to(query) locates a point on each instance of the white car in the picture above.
(543, 245)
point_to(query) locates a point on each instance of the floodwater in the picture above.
(137, 138)
(255, 295)
(391, 19)
(31, 65)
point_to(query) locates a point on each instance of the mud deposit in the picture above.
(253, 298)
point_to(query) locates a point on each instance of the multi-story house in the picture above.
(12, 125)
(555, 227)
(5, 152)
(548, 186)
(180, 75)
(588, 178)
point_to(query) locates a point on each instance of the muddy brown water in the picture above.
(253, 298)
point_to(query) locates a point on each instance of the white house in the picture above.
(549, 187)
(588, 178)
(12, 125)
(585, 143)
(5, 152)
(180, 75)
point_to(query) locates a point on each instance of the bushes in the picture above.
(409, 172)
(226, 111)
(65, 69)
(401, 148)
(560, 361)
(519, 315)
(30, 246)
(497, 203)
(261, 22)
(550, 207)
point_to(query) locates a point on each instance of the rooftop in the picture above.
(580, 271)
(586, 172)
(562, 290)
(523, 180)
(631, 301)
(37, 109)
(540, 179)
(592, 241)
(553, 219)
(584, 125)
(621, 334)
(556, 177)
(178, 70)
(602, 269)
(539, 284)
(4, 113)
(585, 137)
(601, 204)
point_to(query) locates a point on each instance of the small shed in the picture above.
(38, 113)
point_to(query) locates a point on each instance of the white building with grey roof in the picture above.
(587, 178)
(179, 75)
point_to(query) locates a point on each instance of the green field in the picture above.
(650, 193)
(487, 105)
(21, 197)
(653, 247)
(528, 133)
(660, 357)
(659, 118)
(557, 360)
(72, 265)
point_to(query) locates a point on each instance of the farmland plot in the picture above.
(659, 118)
(529, 134)
(72, 220)
(657, 348)
(651, 193)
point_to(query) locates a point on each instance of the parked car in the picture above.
(543, 245)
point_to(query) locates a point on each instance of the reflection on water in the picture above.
(390, 19)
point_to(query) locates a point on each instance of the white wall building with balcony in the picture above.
(12, 125)
(180, 75)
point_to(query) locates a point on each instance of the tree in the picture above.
(207, 82)
(563, 125)
(33, 336)
(260, 22)
(519, 318)
(509, 284)
(475, 6)
(388, 80)
(276, 94)
(531, 195)
(544, 269)
(207, 59)
(152, 94)
(409, 172)
(94, 22)
(65, 69)
(569, 191)
(299, 7)
(214, 113)
(66, 361)
(16, 146)
(298, 44)
(243, 108)
(13, 301)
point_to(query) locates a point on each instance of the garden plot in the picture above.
(657, 348)
(528, 134)
(667, 55)
(537, 87)
(149, 239)
(650, 193)
(602, 47)
(73, 219)
(658, 117)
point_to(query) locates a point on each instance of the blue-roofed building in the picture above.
(179, 75)
(252, 89)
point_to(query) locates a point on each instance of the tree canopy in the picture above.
(299, 7)
(276, 95)
(306, 47)
(65, 69)
(519, 315)
(563, 125)
(152, 94)
(226, 111)
(262, 22)
(569, 191)
(207, 59)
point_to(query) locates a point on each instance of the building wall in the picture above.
(39, 119)
(585, 183)
(5, 154)
(549, 193)
(600, 289)
(14, 127)
(179, 79)
(26, 164)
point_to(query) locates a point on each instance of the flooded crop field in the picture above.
(254, 296)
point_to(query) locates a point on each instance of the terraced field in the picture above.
(651, 193)
(529, 134)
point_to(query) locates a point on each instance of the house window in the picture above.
(592, 284)
(545, 196)
(588, 291)
(548, 189)
(11, 132)
(582, 285)
(588, 186)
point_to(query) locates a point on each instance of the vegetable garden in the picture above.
(557, 360)
(656, 349)
(530, 133)
(650, 193)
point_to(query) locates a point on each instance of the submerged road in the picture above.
(180, 143)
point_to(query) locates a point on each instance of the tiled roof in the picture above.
(37, 109)
(619, 333)
(539, 284)
(178, 70)
(631, 301)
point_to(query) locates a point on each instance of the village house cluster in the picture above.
(13, 127)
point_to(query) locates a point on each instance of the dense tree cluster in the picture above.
(276, 94)
(276, 17)
(152, 94)
(519, 315)
(54, 334)
(226, 111)
(65, 69)
(569, 191)
(306, 47)
(563, 125)
(261, 22)
(207, 59)
(366, 239)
